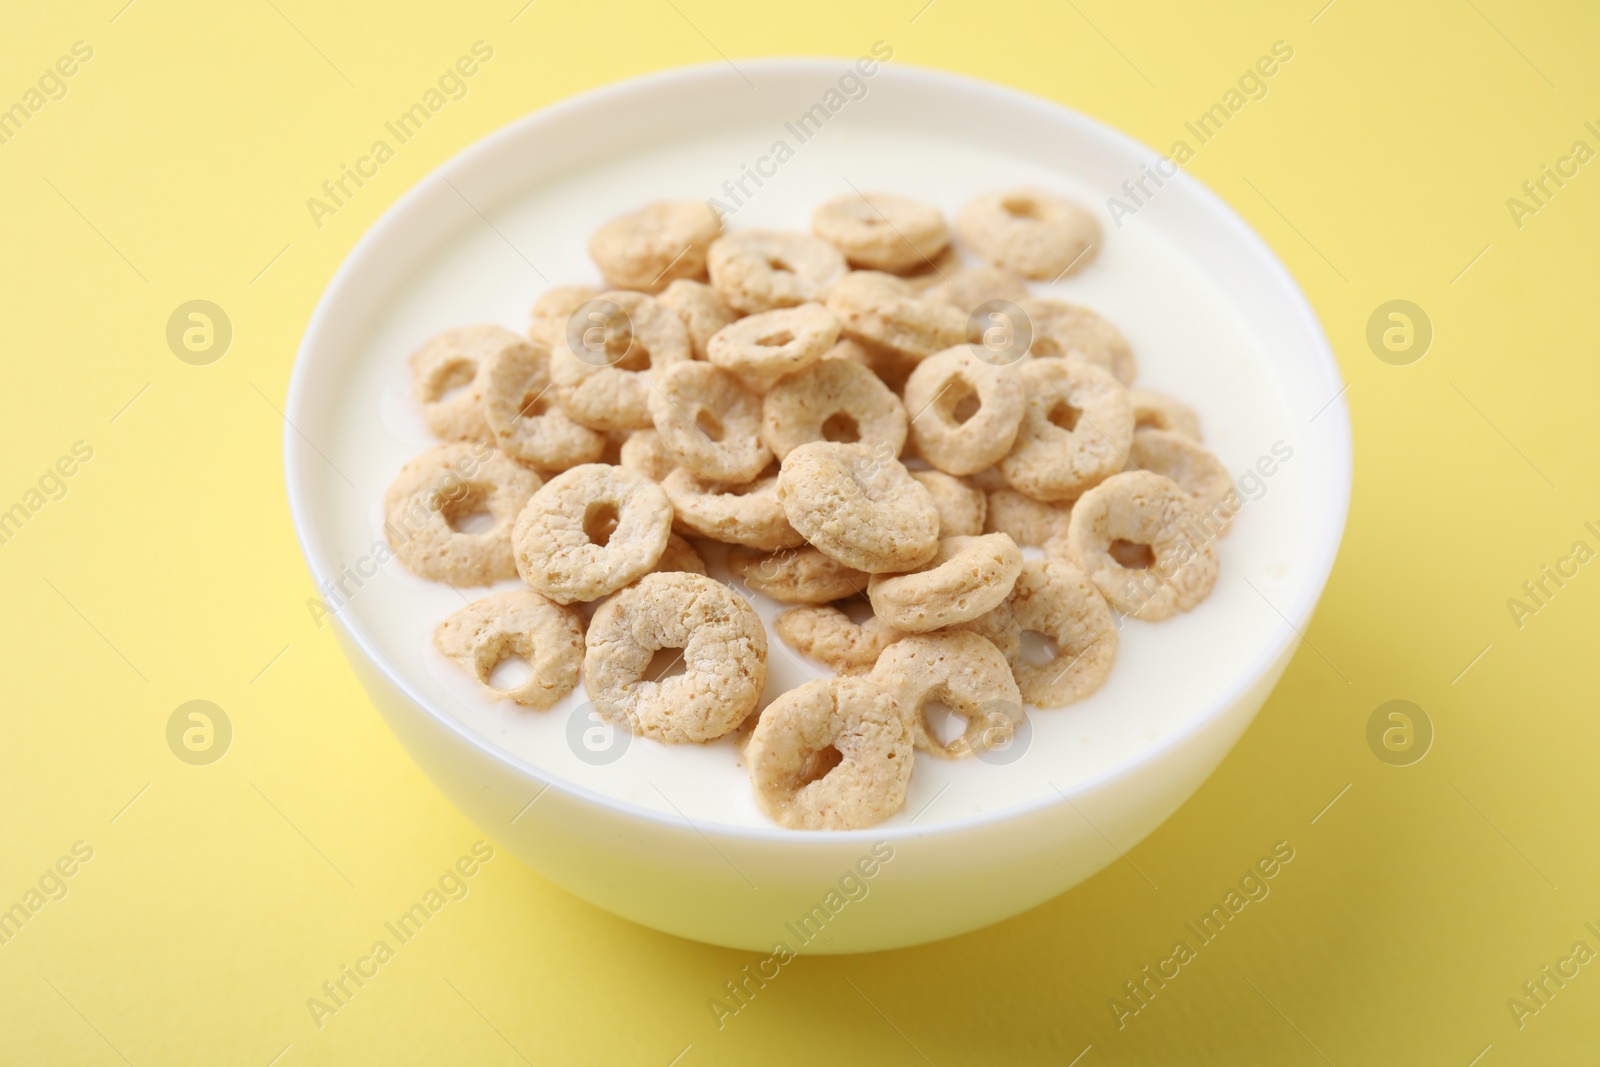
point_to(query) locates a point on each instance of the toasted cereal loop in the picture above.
(829, 636)
(1194, 467)
(760, 270)
(709, 422)
(1157, 411)
(645, 453)
(830, 755)
(659, 243)
(1052, 598)
(932, 272)
(724, 650)
(1035, 233)
(748, 513)
(880, 309)
(1061, 330)
(832, 400)
(1150, 522)
(518, 623)
(971, 287)
(860, 505)
(882, 231)
(441, 488)
(764, 347)
(961, 507)
(552, 311)
(967, 577)
(966, 411)
(796, 575)
(604, 383)
(1075, 432)
(1028, 521)
(447, 379)
(851, 350)
(964, 672)
(998, 627)
(701, 309)
(679, 556)
(528, 424)
(590, 531)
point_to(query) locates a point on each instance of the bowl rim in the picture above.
(1322, 554)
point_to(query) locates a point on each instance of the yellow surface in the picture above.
(177, 166)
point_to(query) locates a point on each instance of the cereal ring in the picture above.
(1195, 468)
(1055, 600)
(528, 424)
(1061, 329)
(829, 636)
(764, 347)
(1035, 233)
(1028, 521)
(519, 623)
(552, 310)
(1075, 432)
(931, 272)
(1157, 411)
(998, 627)
(1137, 537)
(679, 556)
(606, 386)
(796, 575)
(968, 410)
(701, 309)
(759, 270)
(435, 494)
(749, 514)
(724, 652)
(962, 508)
(832, 400)
(848, 349)
(830, 755)
(880, 309)
(960, 670)
(708, 422)
(645, 453)
(969, 288)
(590, 531)
(659, 243)
(882, 231)
(447, 379)
(967, 577)
(859, 505)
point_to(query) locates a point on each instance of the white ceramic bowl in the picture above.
(741, 883)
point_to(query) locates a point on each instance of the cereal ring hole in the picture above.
(533, 404)
(707, 423)
(858, 609)
(449, 380)
(1038, 649)
(600, 521)
(776, 340)
(958, 400)
(842, 428)
(820, 764)
(665, 663)
(1132, 554)
(511, 672)
(1065, 415)
(942, 722)
(780, 265)
(1021, 207)
(468, 511)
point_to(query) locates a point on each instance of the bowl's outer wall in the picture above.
(752, 892)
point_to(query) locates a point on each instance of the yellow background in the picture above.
(177, 167)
